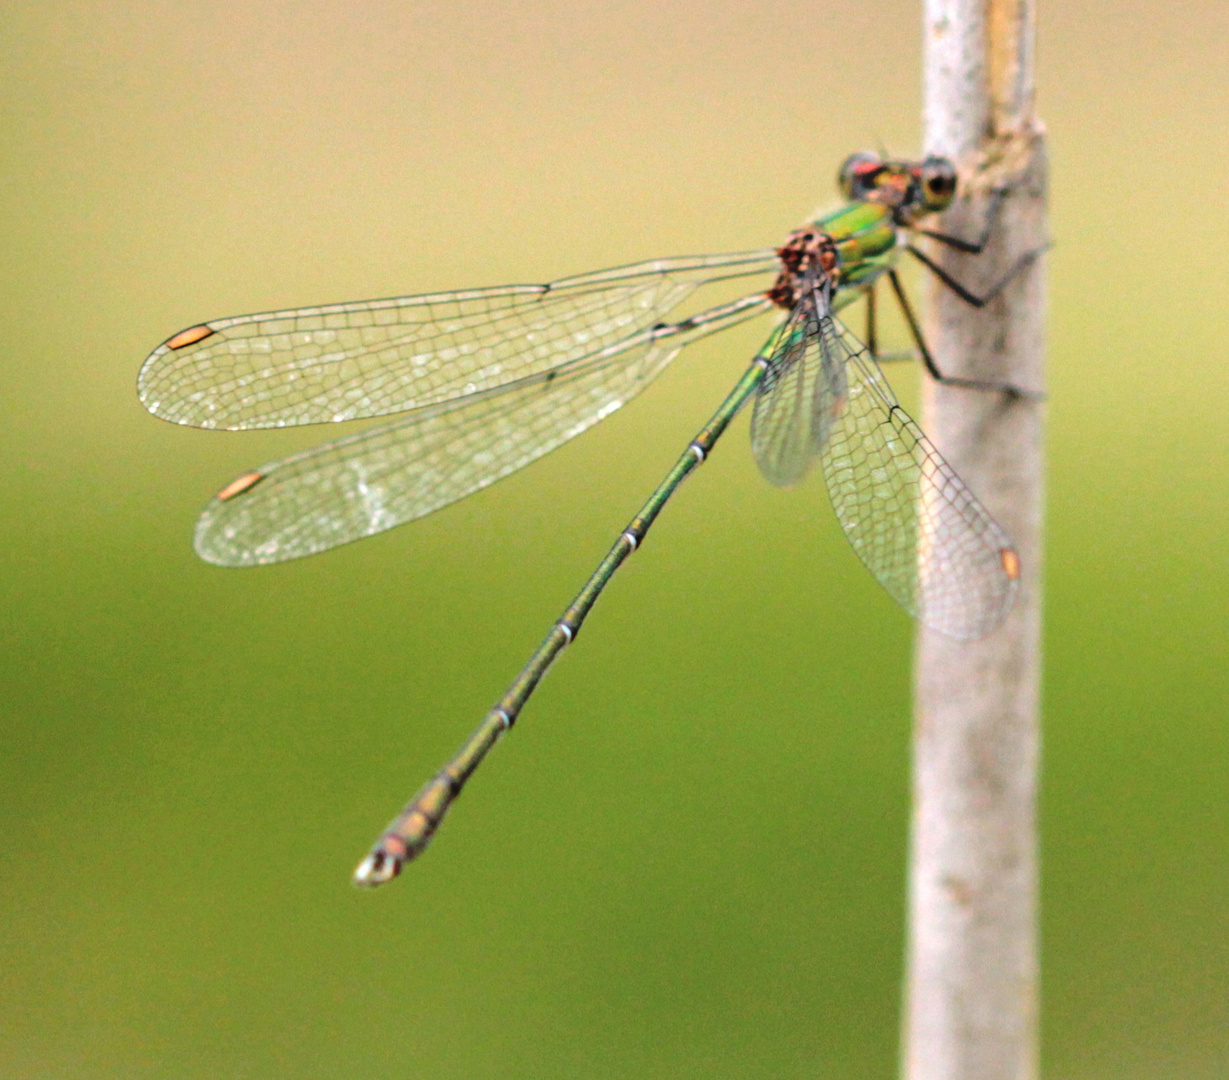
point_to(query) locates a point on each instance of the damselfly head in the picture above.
(856, 178)
(911, 188)
(936, 179)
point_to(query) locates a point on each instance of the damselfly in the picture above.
(489, 380)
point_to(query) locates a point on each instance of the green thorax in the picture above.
(865, 239)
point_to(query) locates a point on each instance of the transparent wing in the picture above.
(378, 357)
(786, 431)
(400, 471)
(909, 517)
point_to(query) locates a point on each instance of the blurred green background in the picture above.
(689, 858)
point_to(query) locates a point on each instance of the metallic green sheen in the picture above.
(875, 249)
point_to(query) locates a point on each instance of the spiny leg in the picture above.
(1024, 261)
(915, 329)
(872, 335)
(409, 833)
(972, 247)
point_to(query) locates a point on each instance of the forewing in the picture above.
(400, 471)
(378, 357)
(909, 517)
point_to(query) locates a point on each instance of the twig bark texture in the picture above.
(971, 973)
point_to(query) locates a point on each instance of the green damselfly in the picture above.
(489, 380)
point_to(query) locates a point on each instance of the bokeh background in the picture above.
(688, 860)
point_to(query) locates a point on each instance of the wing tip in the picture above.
(211, 540)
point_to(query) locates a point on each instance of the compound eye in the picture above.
(938, 176)
(856, 175)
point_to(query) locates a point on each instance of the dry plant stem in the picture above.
(971, 971)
